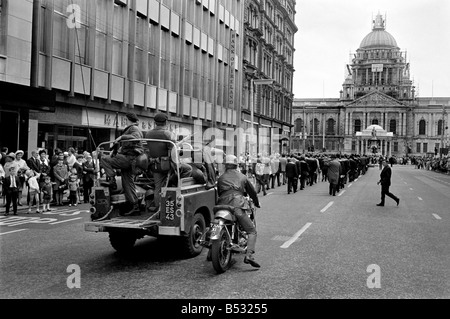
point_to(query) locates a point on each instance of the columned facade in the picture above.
(378, 91)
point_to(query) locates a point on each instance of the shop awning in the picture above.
(21, 96)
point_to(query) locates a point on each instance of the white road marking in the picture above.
(326, 207)
(356, 180)
(405, 182)
(349, 185)
(296, 236)
(269, 194)
(420, 198)
(63, 221)
(410, 188)
(341, 193)
(437, 216)
(13, 231)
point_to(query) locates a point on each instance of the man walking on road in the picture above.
(385, 181)
(292, 175)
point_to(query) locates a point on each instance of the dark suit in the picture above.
(303, 172)
(292, 175)
(12, 193)
(385, 180)
(88, 171)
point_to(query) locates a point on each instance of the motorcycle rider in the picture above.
(232, 187)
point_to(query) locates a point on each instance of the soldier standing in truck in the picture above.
(125, 160)
(160, 161)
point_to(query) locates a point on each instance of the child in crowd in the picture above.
(74, 185)
(47, 190)
(34, 190)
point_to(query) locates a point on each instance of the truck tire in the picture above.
(121, 241)
(191, 247)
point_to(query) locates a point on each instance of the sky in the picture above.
(329, 30)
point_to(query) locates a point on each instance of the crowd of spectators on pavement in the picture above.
(66, 177)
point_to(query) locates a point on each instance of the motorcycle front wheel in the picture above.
(220, 252)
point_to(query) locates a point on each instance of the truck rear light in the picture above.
(92, 210)
(178, 213)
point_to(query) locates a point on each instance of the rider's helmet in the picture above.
(231, 161)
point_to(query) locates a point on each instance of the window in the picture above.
(375, 122)
(118, 28)
(357, 126)
(2, 27)
(439, 127)
(299, 125)
(60, 31)
(418, 147)
(425, 147)
(395, 146)
(100, 35)
(140, 55)
(393, 126)
(331, 127)
(153, 56)
(422, 127)
(81, 41)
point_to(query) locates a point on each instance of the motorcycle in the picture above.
(225, 236)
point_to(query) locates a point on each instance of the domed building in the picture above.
(378, 91)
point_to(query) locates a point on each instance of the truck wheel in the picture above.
(122, 241)
(191, 247)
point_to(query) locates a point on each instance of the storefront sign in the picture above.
(232, 69)
(119, 121)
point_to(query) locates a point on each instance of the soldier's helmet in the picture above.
(231, 160)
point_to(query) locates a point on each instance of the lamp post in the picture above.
(303, 133)
(252, 102)
(443, 128)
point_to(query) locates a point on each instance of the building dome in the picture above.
(378, 39)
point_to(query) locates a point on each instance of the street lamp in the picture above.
(252, 100)
(443, 128)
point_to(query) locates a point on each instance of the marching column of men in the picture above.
(299, 171)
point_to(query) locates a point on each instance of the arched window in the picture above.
(439, 128)
(331, 127)
(422, 127)
(375, 122)
(393, 126)
(357, 125)
(298, 125)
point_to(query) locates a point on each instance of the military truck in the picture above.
(184, 212)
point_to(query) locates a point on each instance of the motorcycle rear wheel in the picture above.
(220, 252)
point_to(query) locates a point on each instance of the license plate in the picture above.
(215, 229)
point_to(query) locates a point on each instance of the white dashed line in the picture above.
(269, 194)
(13, 231)
(341, 193)
(63, 221)
(326, 207)
(437, 216)
(296, 236)
(349, 185)
(405, 182)
(420, 198)
(410, 188)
